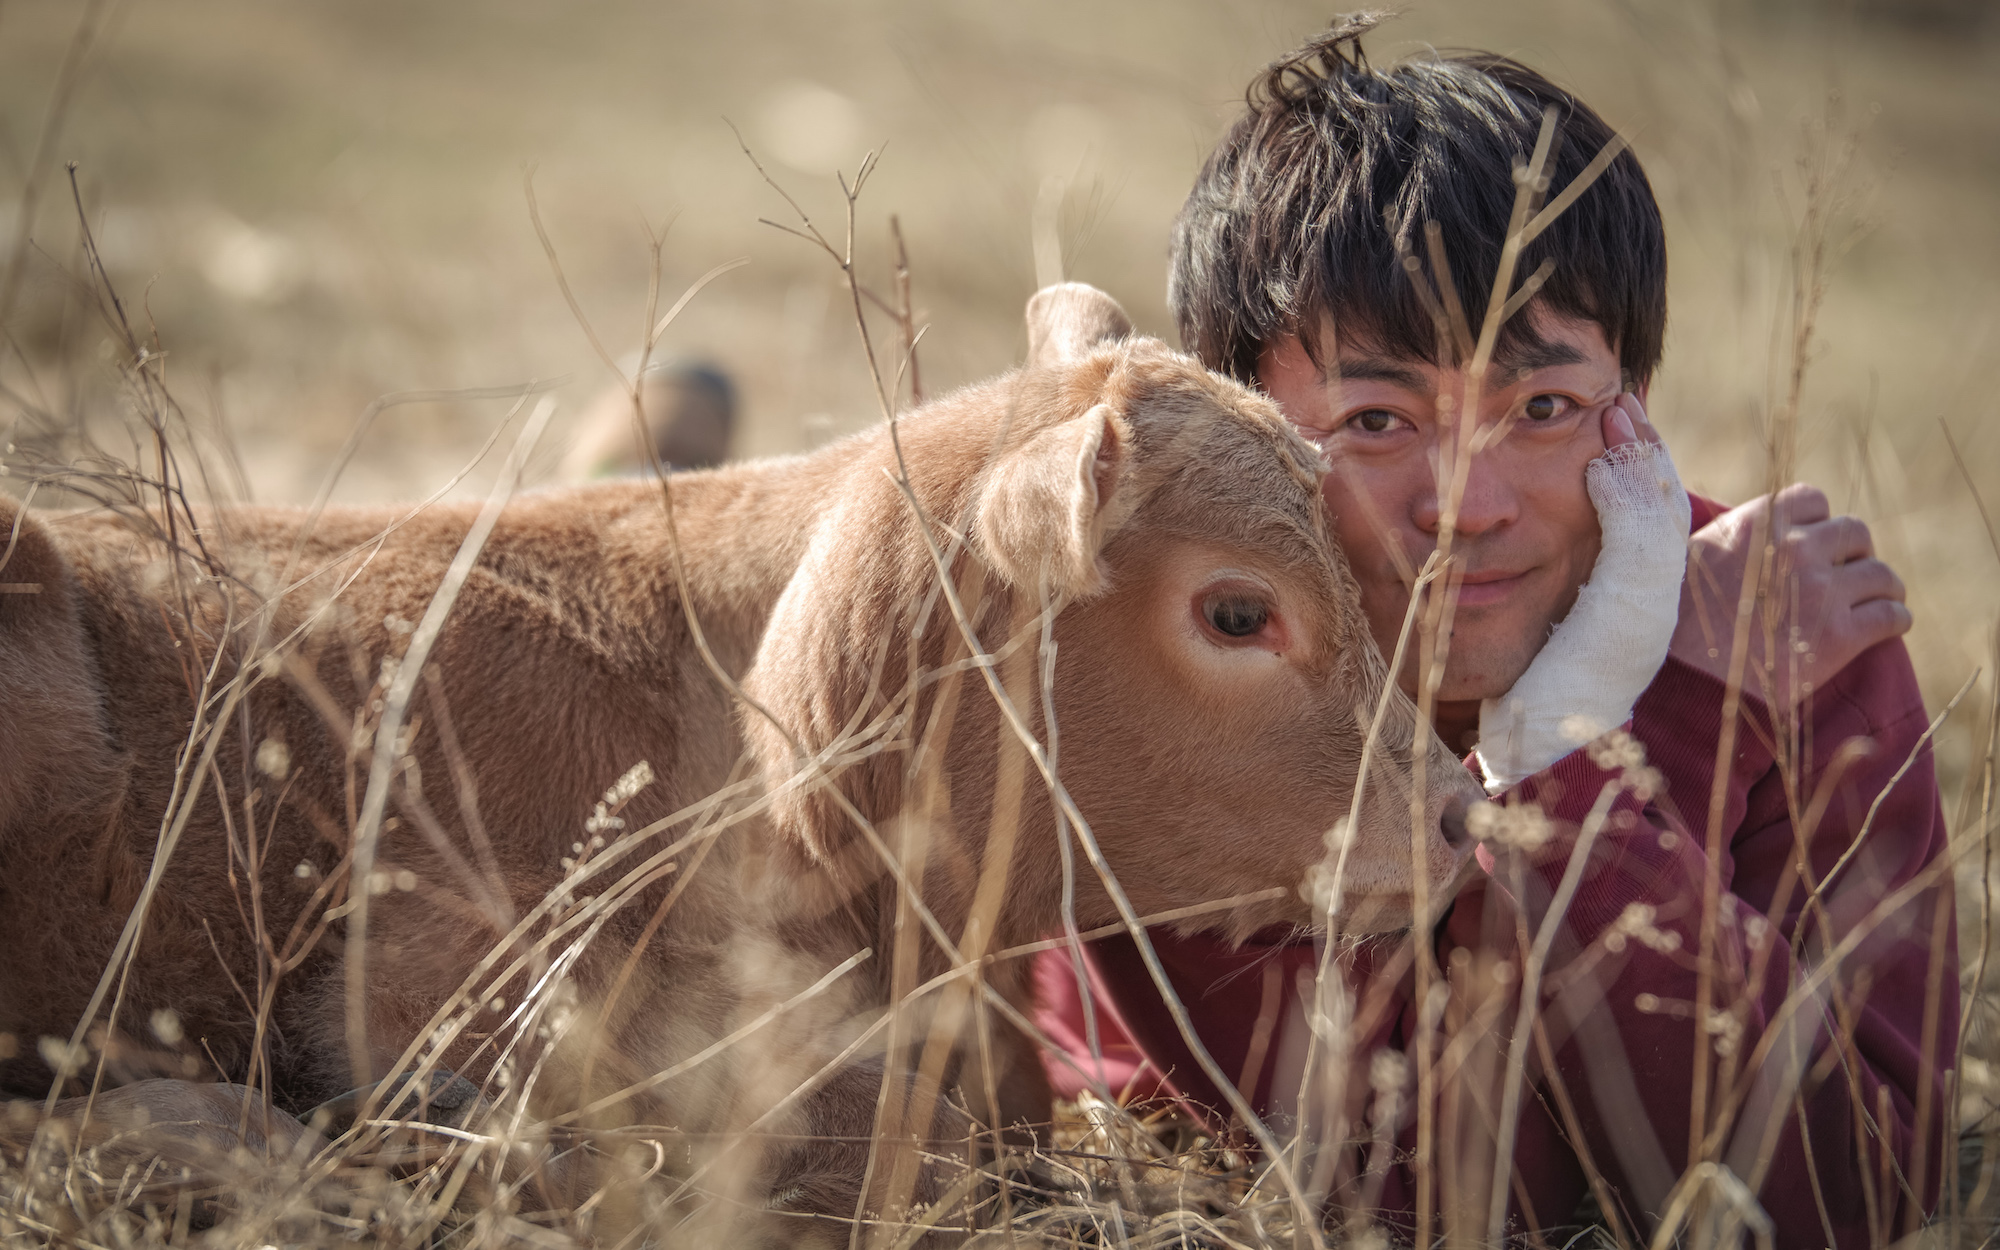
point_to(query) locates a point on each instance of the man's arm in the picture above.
(1832, 1005)
(1750, 938)
(1713, 965)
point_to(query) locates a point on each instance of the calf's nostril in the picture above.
(1451, 822)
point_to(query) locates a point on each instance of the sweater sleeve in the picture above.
(1832, 1005)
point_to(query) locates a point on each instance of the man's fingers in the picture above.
(1635, 416)
(1801, 504)
(1619, 428)
(1842, 540)
(1879, 620)
(1853, 540)
(1866, 580)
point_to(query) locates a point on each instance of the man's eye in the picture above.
(1373, 421)
(1545, 407)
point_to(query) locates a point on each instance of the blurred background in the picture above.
(313, 204)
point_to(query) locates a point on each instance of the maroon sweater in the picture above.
(1620, 1022)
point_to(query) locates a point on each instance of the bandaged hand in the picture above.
(1607, 650)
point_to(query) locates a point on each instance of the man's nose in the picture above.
(1487, 502)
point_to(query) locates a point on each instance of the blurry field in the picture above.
(317, 203)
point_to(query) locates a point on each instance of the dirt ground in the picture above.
(317, 203)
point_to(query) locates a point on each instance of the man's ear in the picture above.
(1067, 320)
(1050, 504)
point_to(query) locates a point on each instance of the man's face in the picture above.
(1526, 533)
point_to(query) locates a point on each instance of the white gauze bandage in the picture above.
(1606, 652)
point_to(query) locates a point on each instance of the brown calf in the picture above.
(1209, 671)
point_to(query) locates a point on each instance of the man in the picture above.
(1751, 987)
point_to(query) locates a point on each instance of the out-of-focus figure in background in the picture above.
(690, 408)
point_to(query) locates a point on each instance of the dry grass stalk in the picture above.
(1108, 1173)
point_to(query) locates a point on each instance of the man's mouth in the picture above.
(1485, 587)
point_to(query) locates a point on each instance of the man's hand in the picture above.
(1605, 653)
(1823, 599)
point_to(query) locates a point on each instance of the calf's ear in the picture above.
(1049, 505)
(1066, 320)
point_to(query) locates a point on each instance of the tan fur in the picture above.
(1105, 474)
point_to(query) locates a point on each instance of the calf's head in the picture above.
(1210, 675)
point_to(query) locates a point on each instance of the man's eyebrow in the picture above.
(1530, 357)
(1380, 369)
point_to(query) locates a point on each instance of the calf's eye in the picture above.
(1237, 618)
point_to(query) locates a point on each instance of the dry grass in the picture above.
(331, 206)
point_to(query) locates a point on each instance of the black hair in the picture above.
(1310, 203)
